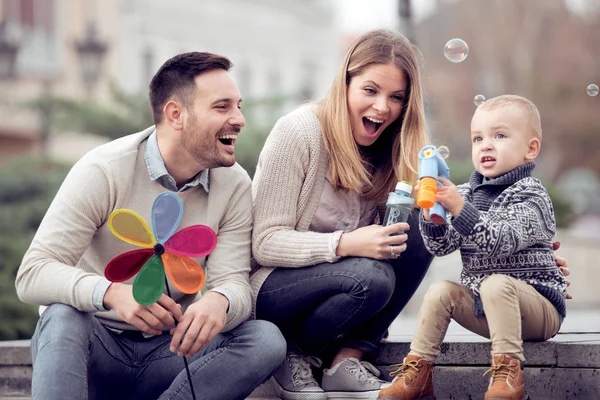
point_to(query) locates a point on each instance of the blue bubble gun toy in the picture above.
(432, 164)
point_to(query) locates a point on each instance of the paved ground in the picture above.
(577, 321)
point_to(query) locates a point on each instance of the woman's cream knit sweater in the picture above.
(286, 189)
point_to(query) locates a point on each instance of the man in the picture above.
(94, 340)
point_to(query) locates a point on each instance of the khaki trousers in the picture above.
(514, 311)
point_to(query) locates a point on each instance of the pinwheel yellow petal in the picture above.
(127, 225)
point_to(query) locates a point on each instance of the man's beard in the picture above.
(205, 149)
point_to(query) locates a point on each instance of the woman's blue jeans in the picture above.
(353, 301)
(76, 357)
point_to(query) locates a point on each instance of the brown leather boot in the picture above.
(413, 381)
(506, 382)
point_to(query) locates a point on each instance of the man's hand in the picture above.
(151, 319)
(561, 262)
(449, 197)
(201, 322)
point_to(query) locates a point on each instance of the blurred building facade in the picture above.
(47, 35)
(281, 49)
(278, 47)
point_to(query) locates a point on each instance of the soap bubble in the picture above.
(456, 50)
(444, 151)
(479, 99)
(592, 90)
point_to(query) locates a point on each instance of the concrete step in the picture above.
(566, 367)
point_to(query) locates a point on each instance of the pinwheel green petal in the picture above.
(149, 282)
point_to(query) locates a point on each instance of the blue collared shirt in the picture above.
(158, 172)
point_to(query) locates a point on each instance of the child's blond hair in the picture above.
(529, 109)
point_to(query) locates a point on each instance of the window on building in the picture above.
(32, 24)
(307, 90)
(245, 81)
(275, 92)
(147, 66)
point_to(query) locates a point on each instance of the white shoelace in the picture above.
(301, 373)
(365, 372)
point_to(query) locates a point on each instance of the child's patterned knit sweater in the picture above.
(505, 227)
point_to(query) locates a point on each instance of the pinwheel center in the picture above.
(159, 249)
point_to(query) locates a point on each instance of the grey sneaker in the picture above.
(294, 380)
(352, 379)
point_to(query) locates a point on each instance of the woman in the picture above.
(327, 271)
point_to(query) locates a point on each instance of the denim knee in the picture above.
(377, 281)
(266, 350)
(61, 321)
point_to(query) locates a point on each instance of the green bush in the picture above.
(127, 114)
(248, 146)
(27, 186)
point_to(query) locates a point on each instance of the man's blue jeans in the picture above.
(76, 357)
(352, 301)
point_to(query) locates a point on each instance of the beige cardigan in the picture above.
(286, 189)
(73, 244)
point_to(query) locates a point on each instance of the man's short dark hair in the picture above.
(176, 78)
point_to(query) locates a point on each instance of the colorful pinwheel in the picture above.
(164, 250)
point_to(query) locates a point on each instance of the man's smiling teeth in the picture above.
(227, 139)
(377, 121)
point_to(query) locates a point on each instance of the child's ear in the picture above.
(533, 149)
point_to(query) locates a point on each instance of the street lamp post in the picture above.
(91, 52)
(8, 54)
(406, 22)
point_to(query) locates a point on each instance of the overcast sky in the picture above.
(362, 15)
(357, 16)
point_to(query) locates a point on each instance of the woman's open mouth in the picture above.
(372, 125)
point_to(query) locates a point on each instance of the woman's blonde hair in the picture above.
(374, 171)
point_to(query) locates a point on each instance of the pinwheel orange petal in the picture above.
(186, 274)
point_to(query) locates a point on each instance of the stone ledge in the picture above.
(15, 352)
(563, 351)
(565, 367)
(566, 350)
(460, 383)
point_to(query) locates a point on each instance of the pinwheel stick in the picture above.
(187, 368)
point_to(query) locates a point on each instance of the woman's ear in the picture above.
(533, 149)
(173, 113)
